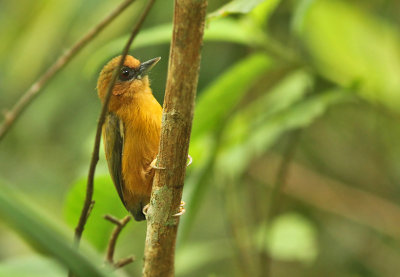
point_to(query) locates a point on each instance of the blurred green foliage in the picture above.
(325, 69)
(97, 230)
(44, 235)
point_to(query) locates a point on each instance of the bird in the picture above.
(131, 131)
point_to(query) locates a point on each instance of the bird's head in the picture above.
(132, 79)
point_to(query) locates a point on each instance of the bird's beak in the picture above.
(145, 67)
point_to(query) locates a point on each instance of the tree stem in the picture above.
(184, 62)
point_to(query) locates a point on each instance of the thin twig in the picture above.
(166, 195)
(12, 115)
(123, 262)
(120, 224)
(112, 219)
(95, 155)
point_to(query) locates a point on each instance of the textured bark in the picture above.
(162, 225)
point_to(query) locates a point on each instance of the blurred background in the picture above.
(295, 141)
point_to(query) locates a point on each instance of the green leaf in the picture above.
(244, 141)
(290, 90)
(227, 30)
(291, 237)
(225, 93)
(97, 229)
(263, 11)
(31, 266)
(300, 14)
(235, 31)
(352, 47)
(236, 6)
(39, 231)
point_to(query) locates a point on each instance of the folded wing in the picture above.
(113, 134)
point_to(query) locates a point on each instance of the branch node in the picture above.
(120, 224)
(90, 209)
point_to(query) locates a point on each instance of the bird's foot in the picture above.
(189, 162)
(145, 209)
(181, 209)
(153, 164)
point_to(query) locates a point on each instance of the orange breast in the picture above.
(142, 125)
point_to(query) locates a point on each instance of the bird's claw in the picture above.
(145, 209)
(189, 163)
(181, 209)
(153, 164)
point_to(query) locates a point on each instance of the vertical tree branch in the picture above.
(162, 225)
(12, 115)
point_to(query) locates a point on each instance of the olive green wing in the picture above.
(113, 134)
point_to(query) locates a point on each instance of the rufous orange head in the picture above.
(132, 79)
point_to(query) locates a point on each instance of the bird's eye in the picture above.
(126, 73)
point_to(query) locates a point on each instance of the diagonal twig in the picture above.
(87, 205)
(95, 155)
(11, 116)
